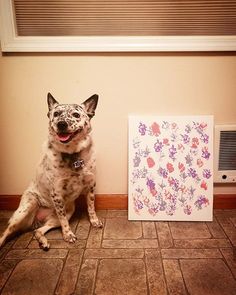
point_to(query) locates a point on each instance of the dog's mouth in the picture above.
(66, 137)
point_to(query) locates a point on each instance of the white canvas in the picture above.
(171, 168)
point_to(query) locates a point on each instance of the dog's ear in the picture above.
(90, 105)
(51, 101)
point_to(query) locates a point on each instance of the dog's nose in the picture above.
(62, 125)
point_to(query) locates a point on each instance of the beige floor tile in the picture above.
(174, 277)
(23, 240)
(95, 237)
(189, 230)
(208, 277)
(228, 228)
(136, 244)
(215, 229)
(155, 275)
(6, 268)
(34, 277)
(113, 253)
(36, 253)
(121, 276)
(70, 272)
(190, 253)
(164, 234)
(122, 228)
(87, 276)
(230, 257)
(202, 243)
(149, 230)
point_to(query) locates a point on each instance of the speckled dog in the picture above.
(66, 170)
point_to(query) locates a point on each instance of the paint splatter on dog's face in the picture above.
(69, 121)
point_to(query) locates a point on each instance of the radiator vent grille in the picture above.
(227, 152)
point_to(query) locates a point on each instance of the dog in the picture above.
(65, 171)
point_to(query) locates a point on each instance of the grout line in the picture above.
(17, 262)
(228, 238)
(171, 235)
(90, 229)
(164, 274)
(96, 275)
(162, 265)
(79, 270)
(146, 275)
(64, 263)
(211, 235)
(185, 286)
(225, 261)
(142, 230)
(103, 231)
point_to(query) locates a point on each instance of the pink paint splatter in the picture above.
(170, 167)
(181, 167)
(155, 129)
(150, 162)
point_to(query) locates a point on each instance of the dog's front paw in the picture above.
(97, 223)
(69, 237)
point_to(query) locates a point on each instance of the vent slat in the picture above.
(227, 153)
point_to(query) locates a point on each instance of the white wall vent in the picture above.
(225, 153)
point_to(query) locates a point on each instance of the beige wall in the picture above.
(127, 83)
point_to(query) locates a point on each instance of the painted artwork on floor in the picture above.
(171, 168)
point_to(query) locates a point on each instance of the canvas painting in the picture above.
(171, 168)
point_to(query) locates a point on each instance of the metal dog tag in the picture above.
(78, 164)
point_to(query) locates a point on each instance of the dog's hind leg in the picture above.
(39, 233)
(23, 217)
(52, 222)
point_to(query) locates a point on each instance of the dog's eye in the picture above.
(76, 115)
(56, 114)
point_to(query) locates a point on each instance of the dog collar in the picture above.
(73, 160)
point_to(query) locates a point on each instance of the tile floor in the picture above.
(133, 258)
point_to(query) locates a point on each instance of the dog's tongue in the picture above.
(63, 137)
